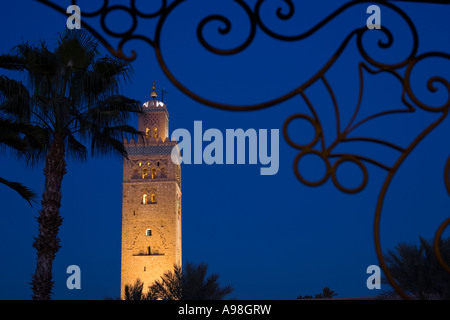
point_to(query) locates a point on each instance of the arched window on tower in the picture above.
(153, 173)
(144, 173)
(147, 133)
(144, 199)
(153, 198)
(155, 132)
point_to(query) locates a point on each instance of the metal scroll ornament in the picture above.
(401, 70)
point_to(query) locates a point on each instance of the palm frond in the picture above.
(80, 40)
(22, 137)
(10, 135)
(75, 148)
(134, 291)
(103, 142)
(102, 80)
(14, 99)
(12, 62)
(114, 110)
(42, 67)
(22, 190)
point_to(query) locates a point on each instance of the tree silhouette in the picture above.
(72, 94)
(169, 287)
(190, 284)
(326, 293)
(22, 138)
(417, 271)
(134, 292)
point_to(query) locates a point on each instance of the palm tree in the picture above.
(417, 271)
(327, 293)
(169, 287)
(134, 292)
(190, 284)
(73, 96)
(21, 137)
(197, 287)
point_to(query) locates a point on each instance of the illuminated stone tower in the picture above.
(151, 204)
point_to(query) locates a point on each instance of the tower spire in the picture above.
(153, 94)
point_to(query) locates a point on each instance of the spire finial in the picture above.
(153, 94)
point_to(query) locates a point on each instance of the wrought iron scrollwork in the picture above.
(401, 70)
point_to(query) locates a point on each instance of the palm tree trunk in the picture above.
(49, 220)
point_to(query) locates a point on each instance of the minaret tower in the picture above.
(151, 203)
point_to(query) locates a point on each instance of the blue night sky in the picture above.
(270, 237)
